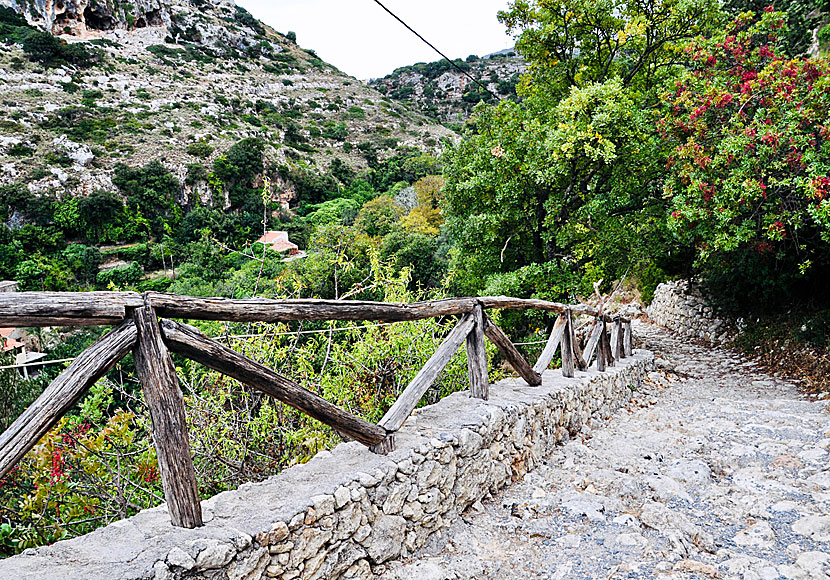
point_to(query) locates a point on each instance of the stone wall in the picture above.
(681, 306)
(346, 512)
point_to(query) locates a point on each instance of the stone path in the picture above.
(715, 470)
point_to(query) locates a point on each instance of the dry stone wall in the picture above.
(681, 306)
(347, 512)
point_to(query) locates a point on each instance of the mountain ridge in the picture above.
(181, 82)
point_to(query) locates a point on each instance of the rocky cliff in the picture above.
(447, 95)
(178, 81)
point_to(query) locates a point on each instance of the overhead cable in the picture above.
(433, 47)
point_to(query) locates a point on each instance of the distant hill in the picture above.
(442, 92)
(85, 86)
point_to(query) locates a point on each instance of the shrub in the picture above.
(120, 277)
(51, 51)
(239, 167)
(199, 149)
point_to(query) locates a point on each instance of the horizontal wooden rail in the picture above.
(104, 308)
(66, 308)
(141, 330)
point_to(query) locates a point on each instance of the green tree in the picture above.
(571, 174)
(378, 216)
(802, 17)
(151, 191)
(749, 180)
(99, 213)
(82, 261)
(238, 169)
(418, 253)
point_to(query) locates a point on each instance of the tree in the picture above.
(98, 212)
(577, 42)
(82, 261)
(151, 190)
(571, 173)
(418, 252)
(237, 169)
(802, 17)
(378, 216)
(749, 180)
(425, 218)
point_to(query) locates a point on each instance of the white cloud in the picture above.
(360, 39)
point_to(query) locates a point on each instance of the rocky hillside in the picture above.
(179, 81)
(444, 93)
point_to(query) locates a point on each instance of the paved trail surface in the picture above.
(715, 470)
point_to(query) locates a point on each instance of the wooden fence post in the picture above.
(627, 350)
(567, 348)
(577, 348)
(550, 348)
(606, 343)
(602, 354)
(477, 357)
(509, 352)
(592, 342)
(166, 404)
(616, 339)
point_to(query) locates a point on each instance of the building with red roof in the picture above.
(278, 241)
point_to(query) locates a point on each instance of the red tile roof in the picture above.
(278, 241)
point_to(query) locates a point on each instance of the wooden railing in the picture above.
(140, 330)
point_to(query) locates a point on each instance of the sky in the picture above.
(362, 40)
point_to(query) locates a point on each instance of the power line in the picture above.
(432, 46)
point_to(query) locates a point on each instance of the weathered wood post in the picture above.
(551, 346)
(602, 354)
(166, 405)
(577, 348)
(616, 338)
(477, 357)
(567, 347)
(510, 354)
(627, 346)
(609, 354)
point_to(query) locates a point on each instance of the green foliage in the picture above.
(91, 469)
(89, 97)
(16, 394)
(120, 278)
(99, 212)
(39, 273)
(151, 192)
(571, 43)
(802, 17)
(749, 179)
(239, 168)
(245, 18)
(379, 216)
(416, 252)
(83, 124)
(20, 150)
(340, 210)
(82, 261)
(199, 149)
(45, 48)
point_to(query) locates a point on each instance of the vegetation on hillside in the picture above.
(648, 141)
